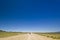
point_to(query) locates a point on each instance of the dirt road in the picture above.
(27, 37)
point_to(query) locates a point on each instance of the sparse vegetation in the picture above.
(51, 35)
(7, 34)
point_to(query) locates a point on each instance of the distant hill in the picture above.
(2, 31)
(57, 32)
(48, 32)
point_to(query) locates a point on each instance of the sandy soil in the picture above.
(17, 37)
(27, 37)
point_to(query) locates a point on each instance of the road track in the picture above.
(27, 37)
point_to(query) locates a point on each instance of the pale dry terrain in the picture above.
(27, 37)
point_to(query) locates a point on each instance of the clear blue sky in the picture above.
(30, 15)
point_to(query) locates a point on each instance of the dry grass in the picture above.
(51, 35)
(7, 34)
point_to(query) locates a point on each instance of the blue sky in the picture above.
(30, 15)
